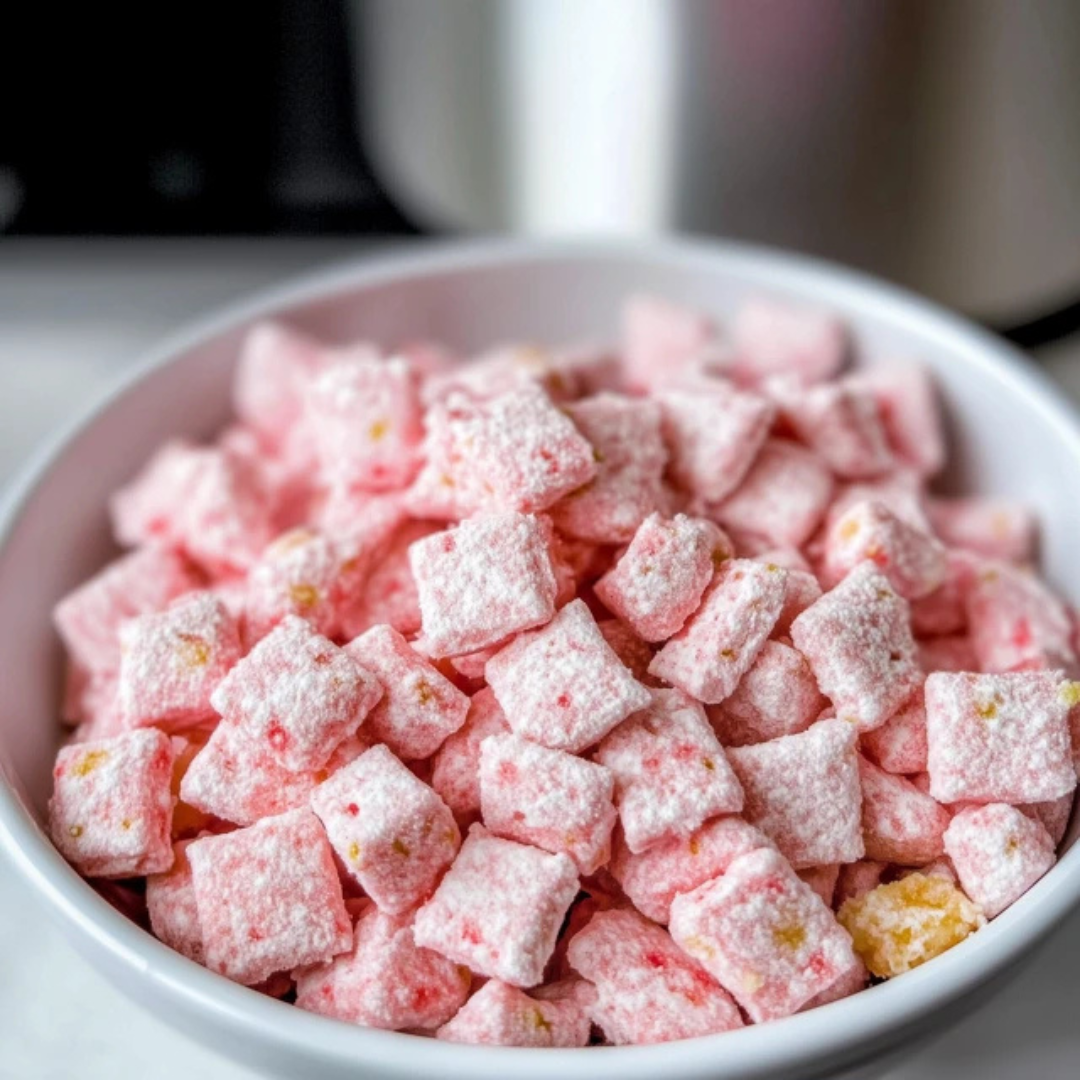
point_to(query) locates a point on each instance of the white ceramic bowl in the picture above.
(1012, 435)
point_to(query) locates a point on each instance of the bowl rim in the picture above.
(872, 1019)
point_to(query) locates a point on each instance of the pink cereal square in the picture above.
(999, 738)
(499, 907)
(817, 820)
(782, 498)
(857, 639)
(392, 833)
(630, 458)
(999, 853)
(764, 935)
(385, 980)
(914, 561)
(455, 773)
(670, 772)
(647, 989)
(483, 581)
(899, 745)
(419, 706)
(901, 825)
(944, 611)
(652, 878)
(721, 640)
(713, 438)
(658, 582)
(850, 982)
(563, 686)
(298, 694)
(993, 528)
(170, 903)
(659, 339)
(111, 806)
(172, 660)
(547, 798)
(777, 696)
(772, 338)
(268, 898)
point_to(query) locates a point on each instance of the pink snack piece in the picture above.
(268, 898)
(999, 738)
(630, 649)
(652, 878)
(659, 580)
(170, 903)
(392, 833)
(297, 693)
(718, 645)
(913, 561)
(385, 980)
(944, 610)
(822, 879)
(713, 438)
(502, 1015)
(563, 686)
(172, 660)
(857, 879)
(364, 418)
(800, 591)
(816, 820)
(999, 853)
(858, 642)
(659, 339)
(773, 338)
(111, 805)
(782, 498)
(777, 696)
(419, 706)
(547, 798)
(899, 745)
(483, 581)
(900, 824)
(471, 666)
(670, 772)
(764, 935)
(994, 528)
(630, 458)
(499, 908)
(1053, 815)
(647, 989)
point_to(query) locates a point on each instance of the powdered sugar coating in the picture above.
(900, 824)
(170, 903)
(771, 338)
(660, 338)
(899, 745)
(502, 1015)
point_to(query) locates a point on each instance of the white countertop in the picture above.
(72, 317)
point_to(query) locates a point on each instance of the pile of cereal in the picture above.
(568, 696)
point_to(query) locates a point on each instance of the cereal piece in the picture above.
(907, 403)
(857, 879)
(456, 771)
(944, 610)
(563, 686)
(818, 819)
(1053, 815)
(630, 456)
(297, 693)
(822, 879)
(801, 590)
(763, 934)
(629, 648)
(713, 651)
(999, 738)
(782, 498)
(652, 878)
(994, 528)
(659, 338)
(88, 619)
(502, 1015)
(899, 745)
(713, 438)
(850, 982)
(393, 834)
(657, 583)
(670, 772)
(419, 706)
(900, 491)
(483, 581)
(385, 980)
(777, 696)
(111, 805)
(952, 653)
(268, 898)
(897, 927)
(471, 666)
(773, 338)
(499, 908)
(1016, 622)
(913, 561)
(859, 646)
(170, 903)
(999, 853)
(547, 798)
(171, 661)
(900, 824)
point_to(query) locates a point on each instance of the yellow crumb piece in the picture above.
(597, 456)
(539, 1021)
(709, 764)
(848, 529)
(772, 568)
(752, 982)
(125, 824)
(424, 692)
(193, 650)
(354, 852)
(699, 947)
(719, 557)
(289, 541)
(789, 935)
(987, 710)
(1070, 693)
(378, 430)
(75, 831)
(694, 846)
(400, 847)
(897, 927)
(447, 480)
(89, 762)
(304, 595)
(727, 654)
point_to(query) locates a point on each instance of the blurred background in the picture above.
(157, 161)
